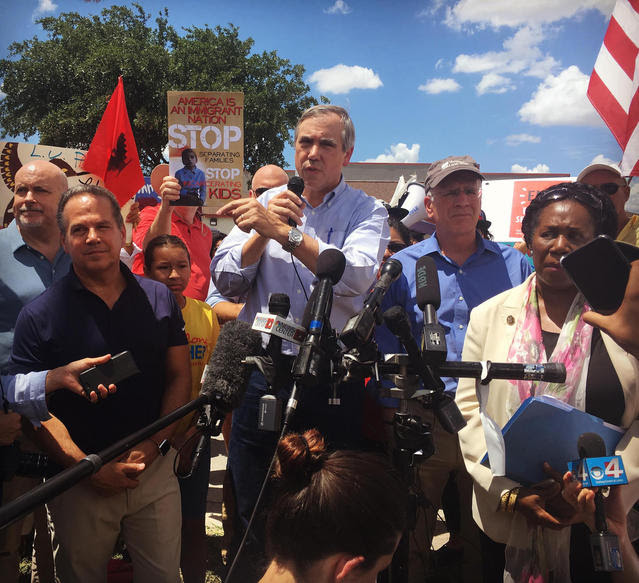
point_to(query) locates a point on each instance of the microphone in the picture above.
(429, 299)
(606, 555)
(590, 445)
(278, 304)
(359, 328)
(551, 372)
(443, 404)
(330, 268)
(226, 376)
(295, 185)
(396, 321)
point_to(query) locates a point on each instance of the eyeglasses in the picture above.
(261, 190)
(609, 188)
(394, 247)
(470, 192)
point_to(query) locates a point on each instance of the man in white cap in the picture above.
(608, 179)
(470, 270)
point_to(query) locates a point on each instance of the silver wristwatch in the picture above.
(295, 238)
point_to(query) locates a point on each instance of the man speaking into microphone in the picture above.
(274, 249)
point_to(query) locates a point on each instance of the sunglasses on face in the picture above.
(609, 188)
(395, 247)
(261, 190)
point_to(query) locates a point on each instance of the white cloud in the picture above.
(431, 10)
(440, 64)
(45, 7)
(520, 54)
(601, 159)
(399, 153)
(494, 83)
(344, 78)
(539, 169)
(340, 7)
(561, 100)
(435, 86)
(2, 95)
(496, 13)
(516, 139)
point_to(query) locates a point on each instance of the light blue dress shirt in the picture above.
(25, 394)
(24, 274)
(347, 219)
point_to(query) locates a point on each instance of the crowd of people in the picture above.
(334, 509)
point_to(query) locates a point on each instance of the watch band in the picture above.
(295, 238)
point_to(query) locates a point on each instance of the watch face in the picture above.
(295, 236)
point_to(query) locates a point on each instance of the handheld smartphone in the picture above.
(600, 272)
(120, 367)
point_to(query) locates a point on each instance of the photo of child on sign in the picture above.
(206, 147)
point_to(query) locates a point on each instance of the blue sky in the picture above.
(502, 80)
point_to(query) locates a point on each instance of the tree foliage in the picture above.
(59, 87)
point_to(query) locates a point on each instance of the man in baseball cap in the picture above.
(608, 179)
(471, 270)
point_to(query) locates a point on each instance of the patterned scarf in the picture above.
(572, 349)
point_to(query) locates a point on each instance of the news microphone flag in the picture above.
(279, 326)
(614, 83)
(113, 155)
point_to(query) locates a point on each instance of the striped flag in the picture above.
(614, 83)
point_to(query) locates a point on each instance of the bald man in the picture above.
(265, 178)
(608, 178)
(31, 259)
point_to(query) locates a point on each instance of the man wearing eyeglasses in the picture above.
(608, 179)
(471, 270)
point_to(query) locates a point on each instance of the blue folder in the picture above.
(546, 429)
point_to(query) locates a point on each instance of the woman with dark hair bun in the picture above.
(337, 516)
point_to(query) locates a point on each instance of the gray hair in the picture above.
(93, 190)
(348, 129)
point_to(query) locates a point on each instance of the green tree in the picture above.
(59, 87)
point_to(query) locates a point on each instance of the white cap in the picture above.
(588, 169)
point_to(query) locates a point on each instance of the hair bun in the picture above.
(299, 455)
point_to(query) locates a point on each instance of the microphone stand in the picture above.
(92, 463)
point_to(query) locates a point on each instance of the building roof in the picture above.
(380, 179)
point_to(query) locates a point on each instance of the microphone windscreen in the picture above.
(396, 321)
(392, 268)
(331, 263)
(279, 304)
(591, 445)
(427, 283)
(296, 185)
(226, 377)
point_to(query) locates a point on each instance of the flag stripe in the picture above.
(614, 78)
(625, 15)
(621, 48)
(608, 108)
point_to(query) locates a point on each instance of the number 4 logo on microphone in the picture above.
(613, 468)
(599, 471)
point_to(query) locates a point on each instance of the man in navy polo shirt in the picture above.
(98, 308)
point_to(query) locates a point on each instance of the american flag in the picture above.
(615, 80)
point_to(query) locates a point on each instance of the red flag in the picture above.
(614, 83)
(112, 154)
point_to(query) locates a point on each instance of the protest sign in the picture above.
(206, 146)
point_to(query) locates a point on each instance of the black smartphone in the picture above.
(120, 367)
(600, 271)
